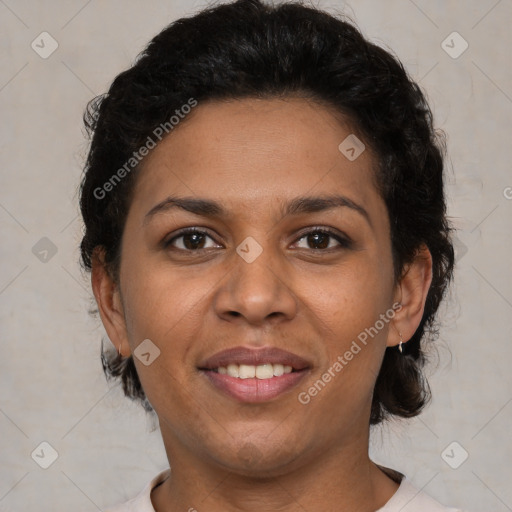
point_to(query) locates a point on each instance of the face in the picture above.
(256, 274)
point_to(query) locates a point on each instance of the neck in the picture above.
(343, 479)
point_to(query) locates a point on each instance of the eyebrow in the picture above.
(298, 205)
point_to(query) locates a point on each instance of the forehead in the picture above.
(249, 152)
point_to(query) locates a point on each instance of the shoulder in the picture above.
(408, 498)
(141, 502)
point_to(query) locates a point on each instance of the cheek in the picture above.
(169, 311)
(349, 296)
(163, 304)
(351, 307)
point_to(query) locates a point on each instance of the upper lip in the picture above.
(254, 357)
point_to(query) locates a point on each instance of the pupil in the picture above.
(323, 237)
(194, 243)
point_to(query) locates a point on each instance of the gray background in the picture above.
(52, 385)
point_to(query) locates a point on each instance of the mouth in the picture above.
(254, 375)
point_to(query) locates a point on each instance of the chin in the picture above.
(258, 460)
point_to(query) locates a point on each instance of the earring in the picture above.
(400, 344)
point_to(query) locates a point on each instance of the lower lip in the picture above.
(254, 390)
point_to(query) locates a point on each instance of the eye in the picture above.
(321, 238)
(192, 240)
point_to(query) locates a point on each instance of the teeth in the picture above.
(233, 370)
(264, 371)
(247, 371)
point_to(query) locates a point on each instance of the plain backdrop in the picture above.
(52, 386)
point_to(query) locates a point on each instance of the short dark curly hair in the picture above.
(247, 49)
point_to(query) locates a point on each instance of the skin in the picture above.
(311, 299)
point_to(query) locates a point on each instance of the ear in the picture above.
(411, 292)
(108, 298)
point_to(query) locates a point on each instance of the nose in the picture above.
(257, 289)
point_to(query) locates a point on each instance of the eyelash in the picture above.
(345, 242)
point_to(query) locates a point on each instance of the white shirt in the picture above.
(407, 498)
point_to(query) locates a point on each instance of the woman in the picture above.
(266, 233)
